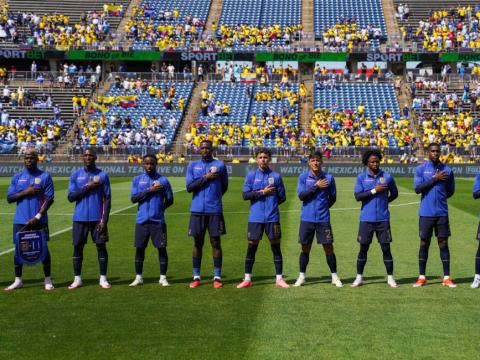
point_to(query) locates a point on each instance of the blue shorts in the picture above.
(256, 230)
(22, 227)
(427, 224)
(309, 229)
(381, 229)
(199, 223)
(80, 230)
(156, 231)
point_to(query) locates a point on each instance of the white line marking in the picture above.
(70, 228)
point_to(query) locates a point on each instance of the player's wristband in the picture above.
(373, 191)
(38, 216)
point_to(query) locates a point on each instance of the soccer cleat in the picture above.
(217, 284)
(420, 282)
(392, 283)
(75, 285)
(357, 282)
(337, 282)
(281, 284)
(300, 281)
(48, 285)
(448, 282)
(17, 284)
(475, 283)
(138, 281)
(195, 283)
(105, 284)
(163, 282)
(244, 284)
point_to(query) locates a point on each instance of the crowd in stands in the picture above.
(345, 35)
(402, 12)
(447, 29)
(56, 29)
(352, 128)
(443, 100)
(164, 29)
(261, 73)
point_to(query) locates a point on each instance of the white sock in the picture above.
(390, 278)
(477, 276)
(422, 277)
(77, 279)
(137, 277)
(248, 277)
(163, 277)
(334, 276)
(103, 278)
(301, 275)
(446, 277)
(48, 280)
(18, 280)
(196, 278)
(359, 277)
(279, 277)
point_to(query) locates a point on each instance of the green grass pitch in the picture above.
(262, 322)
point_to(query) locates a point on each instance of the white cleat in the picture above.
(300, 281)
(105, 284)
(138, 281)
(48, 285)
(393, 284)
(17, 284)
(337, 282)
(75, 284)
(163, 282)
(475, 283)
(358, 282)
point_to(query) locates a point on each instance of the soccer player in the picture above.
(207, 179)
(476, 195)
(317, 190)
(32, 190)
(435, 181)
(264, 188)
(153, 194)
(89, 187)
(375, 189)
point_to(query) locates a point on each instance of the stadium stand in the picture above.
(167, 24)
(136, 113)
(363, 16)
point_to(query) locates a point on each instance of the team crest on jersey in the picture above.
(382, 180)
(38, 181)
(96, 179)
(213, 169)
(271, 181)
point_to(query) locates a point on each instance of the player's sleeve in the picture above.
(168, 194)
(74, 193)
(332, 195)
(192, 183)
(421, 186)
(107, 200)
(476, 187)
(248, 193)
(393, 191)
(359, 190)
(281, 194)
(12, 190)
(135, 194)
(49, 194)
(303, 193)
(451, 185)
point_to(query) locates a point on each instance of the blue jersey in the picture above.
(375, 206)
(316, 202)
(28, 207)
(264, 208)
(151, 206)
(434, 193)
(94, 204)
(476, 187)
(207, 194)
